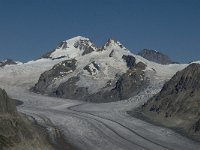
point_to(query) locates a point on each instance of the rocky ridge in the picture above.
(177, 105)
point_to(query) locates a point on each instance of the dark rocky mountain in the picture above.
(7, 62)
(16, 131)
(155, 56)
(178, 103)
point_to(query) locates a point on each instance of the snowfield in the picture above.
(91, 126)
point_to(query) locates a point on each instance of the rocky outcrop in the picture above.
(16, 132)
(85, 46)
(6, 105)
(130, 61)
(92, 68)
(130, 83)
(177, 105)
(7, 62)
(127, 85)
(155, 56)
(70, 90)
(60, 70)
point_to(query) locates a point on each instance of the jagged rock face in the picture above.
(155, 56)
(60, 70)
(85, 45)
(179, 100)
(7, 62)
(6, 106)
(130, 61)
(92, 68)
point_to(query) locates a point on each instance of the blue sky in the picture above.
(30, 28)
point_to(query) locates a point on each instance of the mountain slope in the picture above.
(109, 73)
(177, 105)
(155, 56)
(16, 132)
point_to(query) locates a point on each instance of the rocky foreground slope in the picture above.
(17, 133)
(178, 103)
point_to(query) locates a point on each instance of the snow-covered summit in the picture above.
(71, 48)
(79, 46)
(112, 44)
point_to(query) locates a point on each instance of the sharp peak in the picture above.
(113, 41)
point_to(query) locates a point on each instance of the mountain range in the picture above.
(164, 92)
(108, 73)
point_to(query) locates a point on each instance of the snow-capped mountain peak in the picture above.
(71, 48)
(74, 40)
(112, 44)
